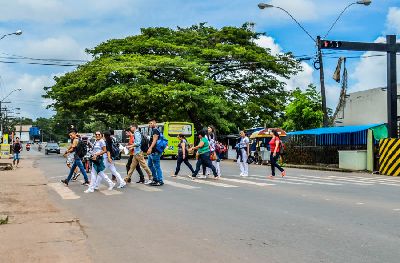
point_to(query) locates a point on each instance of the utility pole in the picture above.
(391, 48)
(322, 82)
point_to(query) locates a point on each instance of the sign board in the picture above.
(5, 151)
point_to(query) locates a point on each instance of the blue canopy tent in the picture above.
(346, 135)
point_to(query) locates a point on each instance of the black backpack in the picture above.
(81, 149)
(115, 152)
(144, 144)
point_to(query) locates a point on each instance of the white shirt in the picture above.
(244, 142)
(98, 146)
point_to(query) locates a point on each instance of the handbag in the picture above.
(213, 156)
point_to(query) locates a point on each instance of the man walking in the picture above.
(138, 158)
(17, 148)
(76, 148)
(131, 137)
(154, 156)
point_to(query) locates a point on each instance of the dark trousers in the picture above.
(180, 161)
(274, 163)
(138, 169)
(204, 159)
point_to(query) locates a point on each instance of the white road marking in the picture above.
(396, 209)
(201, 181)
(245, 182)
(63, 191)
(338, 180)
(179, 185)
(145, 188)
(359, 203)
(390, 184)
(112, 192)
(310, 181)
(262, 178)
(56, 177)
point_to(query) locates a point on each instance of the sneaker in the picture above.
(65, 182)
(127, 180)
(75, 177)
(89, 190)
(96, 187)
(241, 174)
(283, 173)
(271, 177)
(122, 185)
(157, 184)
(87, 183)
(111, 186)
(148, 182)
(174, 175)
(217, 177)
(193, 177)
(140, 182)
(245, 175)
(202, 177)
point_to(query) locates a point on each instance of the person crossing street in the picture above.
(154, 156)
(17, 148)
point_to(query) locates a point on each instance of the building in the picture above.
(365, 107)
(22, 131)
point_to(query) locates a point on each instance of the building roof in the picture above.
(336, 130)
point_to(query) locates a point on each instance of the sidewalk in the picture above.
(37, 231)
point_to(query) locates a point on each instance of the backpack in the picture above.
(81, 149)
(161, 143)
(281, 148)
(144, 144)
(115, 151)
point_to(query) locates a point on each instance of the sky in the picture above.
(63, 29)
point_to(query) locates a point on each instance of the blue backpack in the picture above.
(161, 143)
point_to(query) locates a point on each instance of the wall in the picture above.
(365, 107)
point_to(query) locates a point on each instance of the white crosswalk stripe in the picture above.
(145, 188)
(262, 178)
(112, 192)
(201, 181)
(179, 185)
(63, 191)
(245, 182)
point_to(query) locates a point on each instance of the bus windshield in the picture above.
(175, 129)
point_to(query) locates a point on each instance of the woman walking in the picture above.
(97, 161)
(204, 155)
(244, 153)
(182, 155)
(109, 161)
(275, 146)
(212, 139)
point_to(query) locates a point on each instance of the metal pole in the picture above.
(392, 86)
(322, 81)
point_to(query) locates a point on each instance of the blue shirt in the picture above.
(137, 143)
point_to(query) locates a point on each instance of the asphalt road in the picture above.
(310, 216)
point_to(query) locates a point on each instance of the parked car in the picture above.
(52, 147)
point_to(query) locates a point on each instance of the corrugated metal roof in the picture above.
(336, 130)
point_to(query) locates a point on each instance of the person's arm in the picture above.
(137, 141)
(71, 147)
(201, 144)
(183, 145)
(248, 148)
(155, 138)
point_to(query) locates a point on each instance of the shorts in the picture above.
(16, 156)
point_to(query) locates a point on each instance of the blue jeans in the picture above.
(153, 162)
(204, 159)
(274, 163)
(77, 162)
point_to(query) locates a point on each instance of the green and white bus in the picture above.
(170, 131)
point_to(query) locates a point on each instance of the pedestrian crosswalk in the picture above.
(234, 182)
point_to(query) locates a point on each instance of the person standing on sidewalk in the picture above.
(109, 157)
(244, 147)
(17, 148)
(138, 157)
(182, 155)
(154, 156)
(203, 155)
(131, 137)
(76, 147)
(98, 167)
(275, 145)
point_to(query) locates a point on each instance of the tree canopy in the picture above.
(200, 74)
(304, 111)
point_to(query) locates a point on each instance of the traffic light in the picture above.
(331, 44)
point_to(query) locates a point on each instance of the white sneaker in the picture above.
(202, 177)
(89, 190)
(241, 174)
(111, 186)
(96, 187)
(148, 182)
(245, 175)
(122, 185)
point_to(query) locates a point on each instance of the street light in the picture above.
(317, 41)
(18, 33)
(1, 114)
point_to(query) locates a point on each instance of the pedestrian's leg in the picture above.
(204, 169)
(218, 167)
(132, 169)
(151, 166)
(245, 165)
(140, 172)
(128, 164)
(105, 177)
(157, 165)
(93, 179)
(240, 164)
(277, 164)
(71, 171)
(198, 166)
(82, 169)
(178, 165)
(114, 171)
(188, 164)
(208, 163)
(143, 164)
(272, 160)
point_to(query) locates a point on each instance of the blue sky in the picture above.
(64, 28)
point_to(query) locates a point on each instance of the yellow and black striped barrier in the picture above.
(389, 157)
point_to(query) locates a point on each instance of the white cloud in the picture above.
(370, 72)
(269, 42)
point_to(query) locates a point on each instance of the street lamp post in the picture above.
(317, 42)
(17, 33)
(1, 113)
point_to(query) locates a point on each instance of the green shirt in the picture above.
(206, 147)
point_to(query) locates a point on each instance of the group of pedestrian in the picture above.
(104, 152)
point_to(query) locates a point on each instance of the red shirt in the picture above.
(272, 144)
(131, 141)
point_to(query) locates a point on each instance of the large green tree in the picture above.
(199, 74)
(304, 111)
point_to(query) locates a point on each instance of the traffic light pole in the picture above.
(391, 48)
(322, 82)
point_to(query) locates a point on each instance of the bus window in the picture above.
(176, 129)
